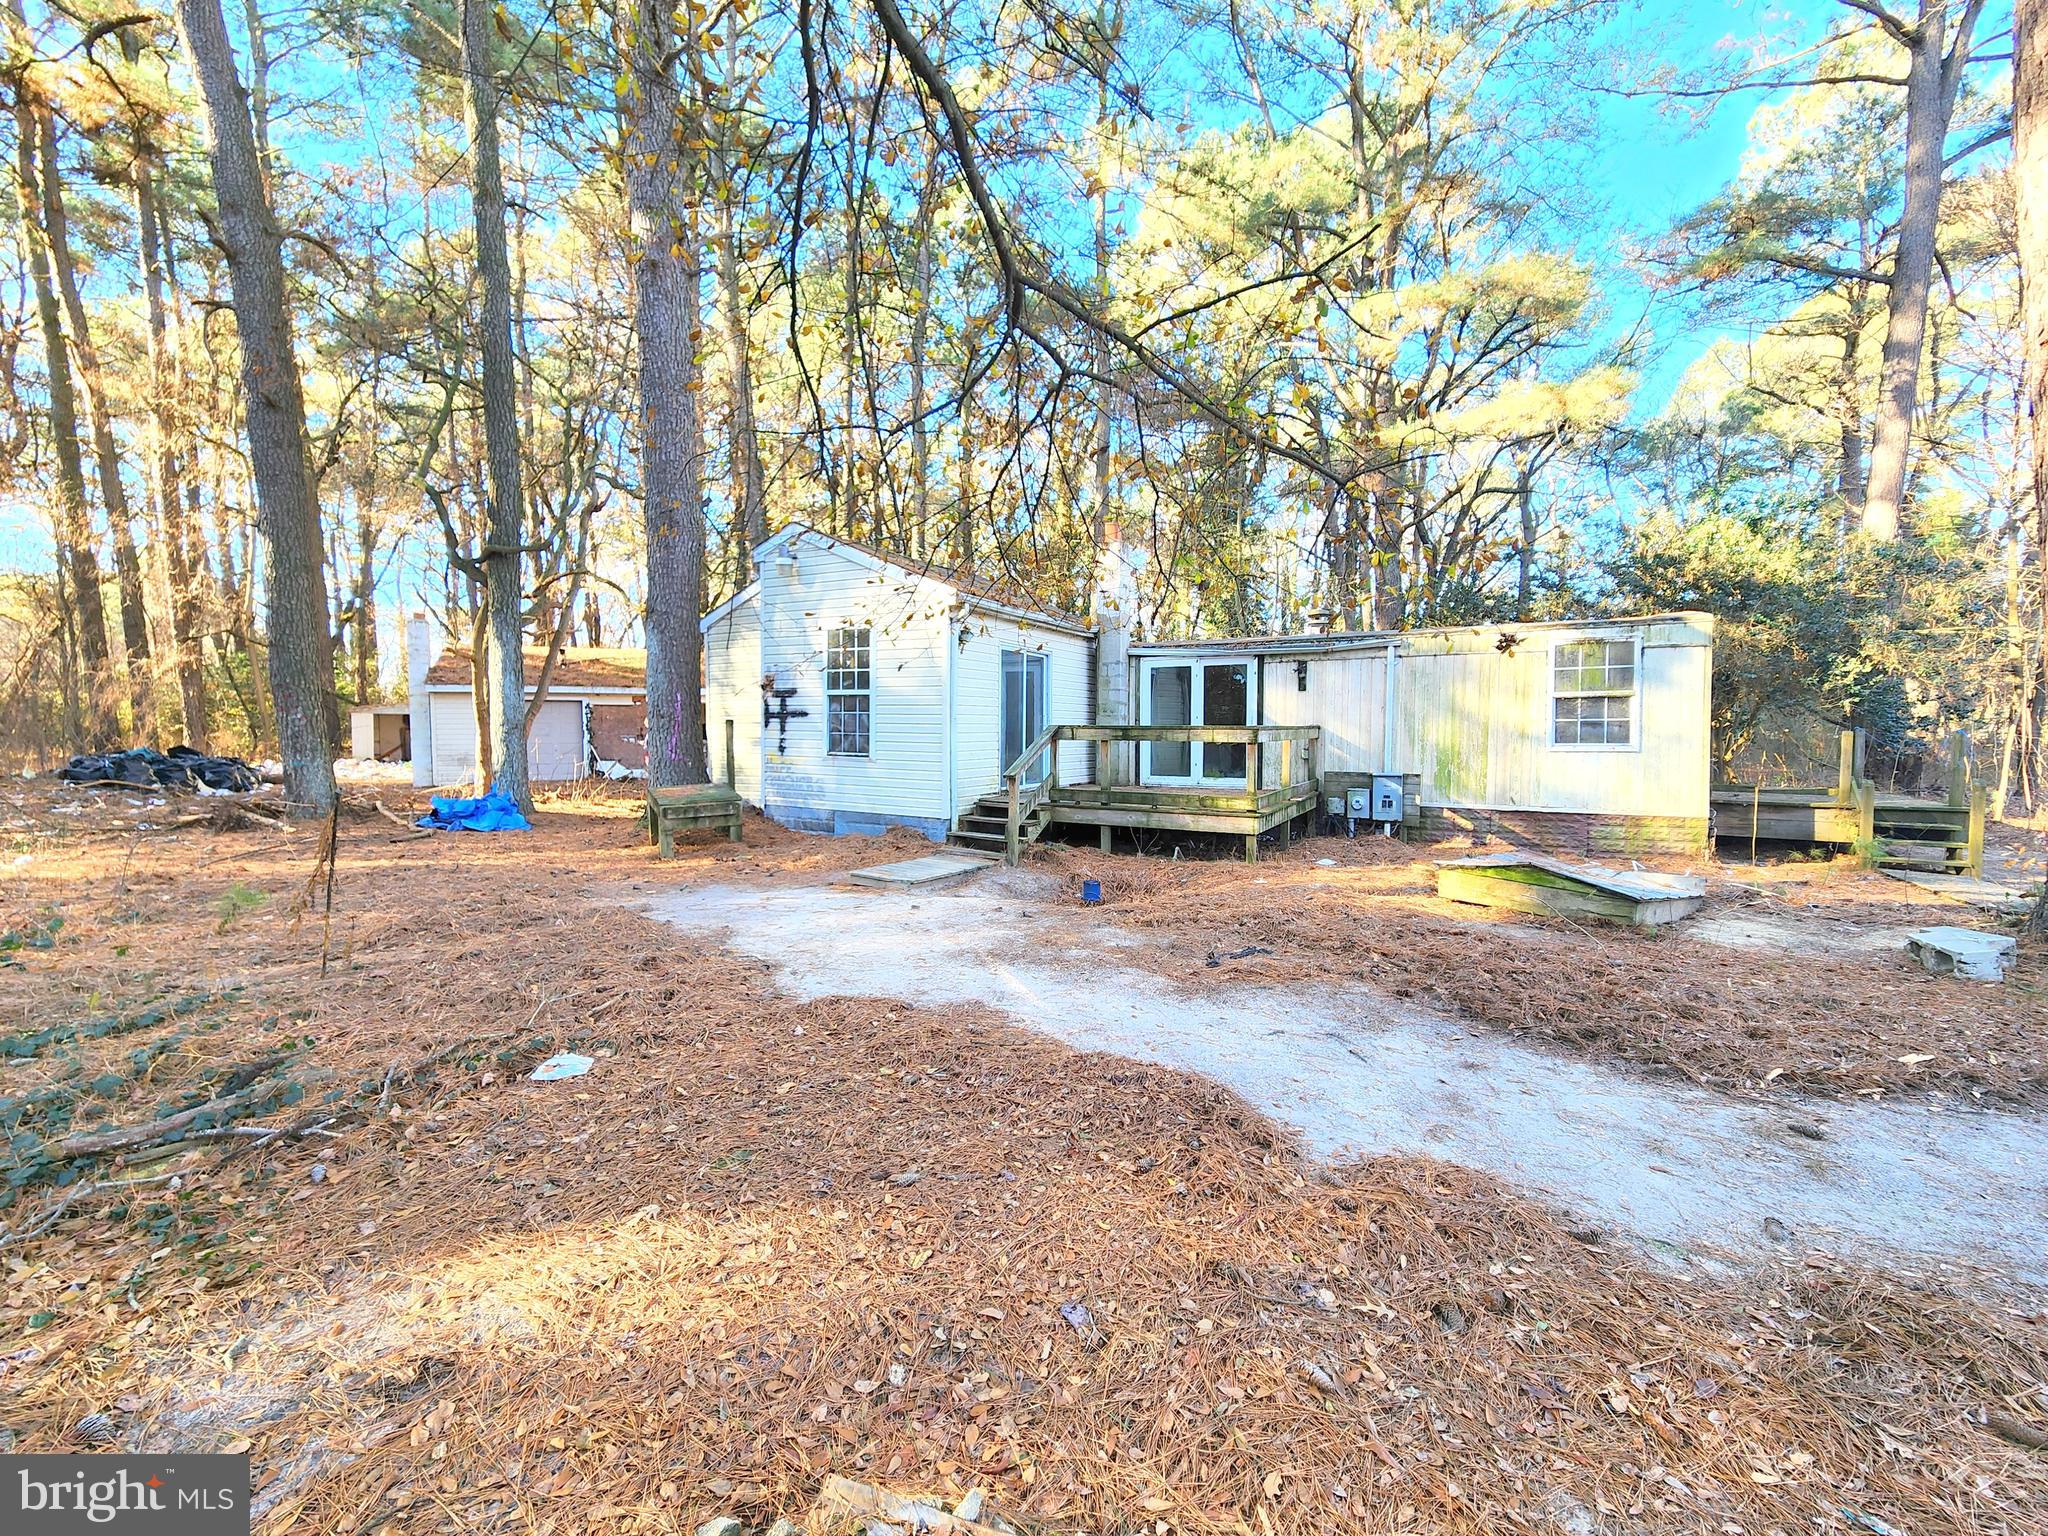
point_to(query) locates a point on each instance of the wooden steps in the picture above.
(1891, 831)
(984, 826)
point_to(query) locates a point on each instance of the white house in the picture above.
(1592, 736)
(595, 712)
(848, 690)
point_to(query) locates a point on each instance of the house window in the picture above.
(1593, 693)
(849, 690)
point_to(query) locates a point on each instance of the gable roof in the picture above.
(999, 594)
(581, 666)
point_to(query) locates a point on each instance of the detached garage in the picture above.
(594, 720)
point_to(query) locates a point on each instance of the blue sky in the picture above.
(1646, 167)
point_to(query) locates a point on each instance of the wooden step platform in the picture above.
(1527, 882)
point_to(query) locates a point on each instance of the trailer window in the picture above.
(1593, 693)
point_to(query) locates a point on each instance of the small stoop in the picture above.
(922, 874)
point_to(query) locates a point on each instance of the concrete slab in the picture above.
(922, 874)
(1963, 952)
(1966, 889)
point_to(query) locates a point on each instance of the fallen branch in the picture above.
(2018, 1431)
(169, 1128)
(72, 1196)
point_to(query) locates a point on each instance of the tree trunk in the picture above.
(920, 336)
(1525, 548)
(750, 490)
(89, 726)
(300, 661)
(665, 260)
(106, 455)
(172, 526)
(363, 623)
(1933, 73)
(505, 525)
(2030, 184)
(1100, 437)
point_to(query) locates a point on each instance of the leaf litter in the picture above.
(631, 1301)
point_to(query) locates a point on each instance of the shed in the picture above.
(380, 733)
(1590, 736)
(851, 690)
(593, 721)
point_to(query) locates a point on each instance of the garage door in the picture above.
(556, 748)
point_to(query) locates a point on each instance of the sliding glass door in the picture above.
(1197, 691)
(1024, 711)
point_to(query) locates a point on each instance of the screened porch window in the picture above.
(849, 690)
(1593, 693)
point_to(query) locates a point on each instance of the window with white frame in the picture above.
(849, 690)
(1593, 693)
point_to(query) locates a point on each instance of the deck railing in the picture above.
(1025, 798)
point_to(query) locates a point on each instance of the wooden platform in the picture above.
(1894, 831)
(1280, 786)
(1527, 882)
(690, 808)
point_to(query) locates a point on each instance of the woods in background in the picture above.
(539, 316)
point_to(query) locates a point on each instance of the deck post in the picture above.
(1105, 837)
(1866, 812)
(1011, 827)
(1251, 847)
(1975, 868)
(1959, 769)
(1845, 779)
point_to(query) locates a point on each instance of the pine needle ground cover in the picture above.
(765, 1241)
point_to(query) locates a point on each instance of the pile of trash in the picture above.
(146, 768)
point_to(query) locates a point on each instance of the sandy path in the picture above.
(1690, 1173)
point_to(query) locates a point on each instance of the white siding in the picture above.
(732, 692)
(904, 774)
(1346, 696)
(554, 751)
(978, 699)
(1475, 723)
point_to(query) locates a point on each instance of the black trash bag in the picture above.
(146, 768)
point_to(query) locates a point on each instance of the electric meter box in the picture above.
(1386, 797)
(1358, 804)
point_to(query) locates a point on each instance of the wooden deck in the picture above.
(1896, 830)
(1280, 786)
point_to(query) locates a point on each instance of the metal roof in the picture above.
(1376, 639)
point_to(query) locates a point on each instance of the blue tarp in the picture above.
(494, 812)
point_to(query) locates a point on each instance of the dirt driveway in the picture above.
(1695, 1176)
